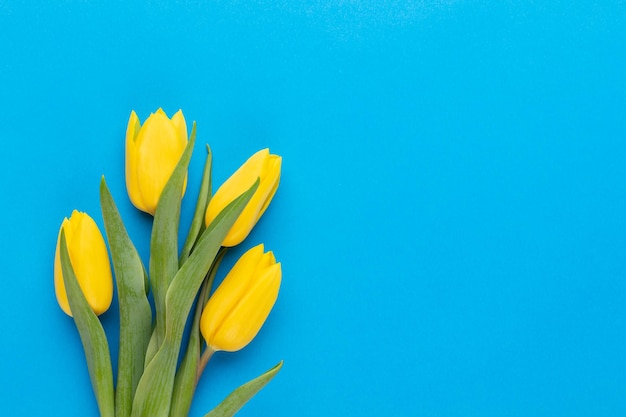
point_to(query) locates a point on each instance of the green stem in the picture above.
(204, 359)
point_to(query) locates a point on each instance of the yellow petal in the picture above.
(230, 291)
(132, 180)
(272, 178)
(159, 150)
(247, 317)
(178, 120)
(93, 268)
(181, 127)
(234, 186)
(90, 261)
(261, 165)
(257, 204)
(59, 284)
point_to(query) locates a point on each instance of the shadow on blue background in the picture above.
(451, 217)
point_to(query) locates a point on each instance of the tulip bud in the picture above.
(90, 261)
(152, 152)
(261, 165)
(236, 311)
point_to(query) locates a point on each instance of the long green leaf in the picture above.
(164, 241)
(91, 335)
(243, 394)
(135, 312)
(197, 223)
(154, 393)
(186, 376)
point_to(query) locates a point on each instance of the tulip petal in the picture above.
(90, 260)
(231, 290)
(236, 184)
(240, 305)
(261, 165)
(92, 267)
(132, 176)
(59, 284)
(271, 177)
(157, 156)
(247, 316)
(178, 120)
(259, 202)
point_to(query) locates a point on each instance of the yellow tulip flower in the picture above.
(152, 152)
(236, 311)
(261, 165)
(90, 261)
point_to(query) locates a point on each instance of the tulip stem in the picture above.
(204, 359)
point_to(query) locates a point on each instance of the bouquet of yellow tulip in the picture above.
(151, 380)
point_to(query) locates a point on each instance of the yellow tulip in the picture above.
(236, 311)
(152, 152)
(261, 165)
(90, 261)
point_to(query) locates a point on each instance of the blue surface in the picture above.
(451, 218)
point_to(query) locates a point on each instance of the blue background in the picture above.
(452, 213)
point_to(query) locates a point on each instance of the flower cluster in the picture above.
(151, 381)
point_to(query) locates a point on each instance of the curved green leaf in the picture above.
(154, 392)
(187, 374)
(164, 241)
(91, 335)
(135, 312)
(197, 224)
(243, 394)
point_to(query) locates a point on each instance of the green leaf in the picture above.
(164, 241)
(197, 224)
(152, 348)
(154, 393)
(243, 394)
(92, 336)
(135, 312)
(187, 375)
